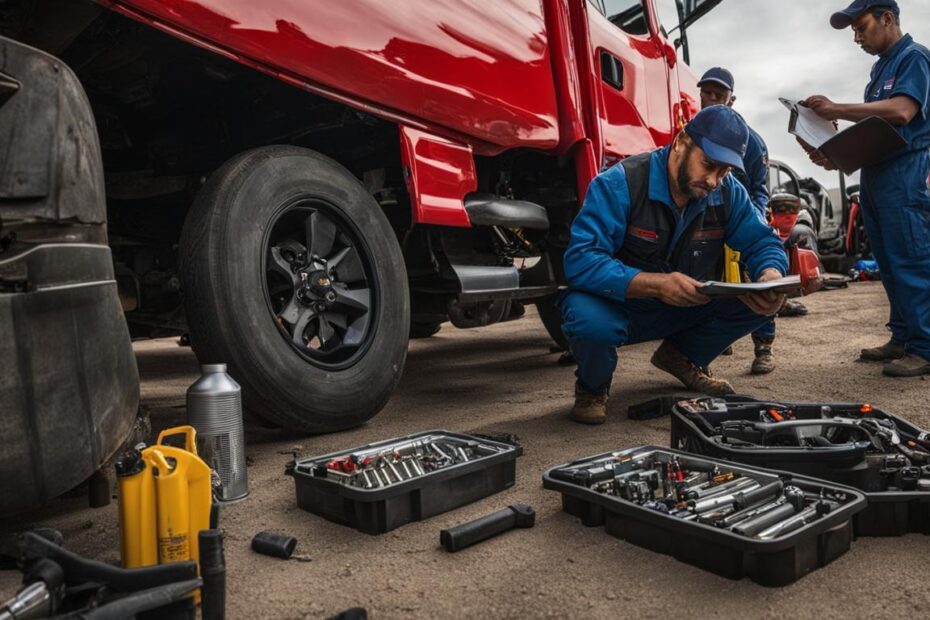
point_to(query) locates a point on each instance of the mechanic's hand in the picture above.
(768, 302)
(818, 158)
(823, 107)
(677, 289)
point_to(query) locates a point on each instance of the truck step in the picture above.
(489, 210)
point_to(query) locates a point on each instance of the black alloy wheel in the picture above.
(319, 284)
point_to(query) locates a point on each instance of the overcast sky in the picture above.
(787, 48)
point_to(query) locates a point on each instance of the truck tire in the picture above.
(294, 278)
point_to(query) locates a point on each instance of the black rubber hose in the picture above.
(30, 546)
(467, 534)
(213, 573)
(146, 600)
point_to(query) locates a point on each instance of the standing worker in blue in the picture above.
(717, 86)
(650, 229)
(895, 200)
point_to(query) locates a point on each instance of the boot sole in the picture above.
(588, 421)
(906, 373)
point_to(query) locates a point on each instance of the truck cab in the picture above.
(302, 186)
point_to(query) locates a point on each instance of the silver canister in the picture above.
(214, 409)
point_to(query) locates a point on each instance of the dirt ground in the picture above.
(504, 379)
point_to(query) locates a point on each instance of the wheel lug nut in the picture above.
(330, 297)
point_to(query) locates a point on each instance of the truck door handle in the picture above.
(611, 70)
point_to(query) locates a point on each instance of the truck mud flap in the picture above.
(68, 379)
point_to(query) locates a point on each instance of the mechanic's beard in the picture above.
(684, 179)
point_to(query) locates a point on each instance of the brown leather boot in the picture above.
(589, 408)
(764, 363)
(891, 350)
(908, 366)
(672, 361)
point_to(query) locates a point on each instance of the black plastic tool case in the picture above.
(775, 562)
(375, 511)
(889, 513)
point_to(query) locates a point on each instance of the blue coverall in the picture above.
(895, 200)
(756, 181)
(598, 317)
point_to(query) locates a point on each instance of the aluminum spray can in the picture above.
(214, 408)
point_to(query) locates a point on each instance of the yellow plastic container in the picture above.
(165, 500)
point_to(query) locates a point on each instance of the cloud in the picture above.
(788, 49)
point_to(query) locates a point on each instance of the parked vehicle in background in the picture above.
(300, 185)
(833, 216)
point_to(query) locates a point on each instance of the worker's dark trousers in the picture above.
(896, 213)
(595, 326)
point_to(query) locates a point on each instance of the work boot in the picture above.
(589, 408)
(891, 350)
(764, 362)
(672, 361)
(908, 366)
(792, 307)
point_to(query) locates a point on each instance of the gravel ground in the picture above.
(503, 379)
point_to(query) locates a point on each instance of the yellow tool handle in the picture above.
(190, 437)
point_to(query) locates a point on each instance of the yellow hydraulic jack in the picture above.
(165, 500)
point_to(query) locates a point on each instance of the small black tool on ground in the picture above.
(467, 534)
(274, 544)
(353, 613)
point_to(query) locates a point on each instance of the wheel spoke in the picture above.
(355, 302)
(321, 233)
(336, 319)
(303, 320)
(292, 311)
(326, 333)
(346, 266)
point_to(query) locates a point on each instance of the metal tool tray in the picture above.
(776, 562)
(379, 510)
(889, 513)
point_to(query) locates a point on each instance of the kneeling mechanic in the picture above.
(650, 230)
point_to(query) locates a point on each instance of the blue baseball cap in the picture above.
(721, 133)
(843, 19)
(717, 75)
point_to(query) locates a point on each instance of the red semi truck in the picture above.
(298, 186)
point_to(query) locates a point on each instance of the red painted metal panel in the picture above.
(439, 174)
(470, 67)
(565, 72)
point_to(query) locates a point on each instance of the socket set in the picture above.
(381, 486)
(853, 444)
(729, 519)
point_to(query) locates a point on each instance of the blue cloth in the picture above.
(842, 19)
(756, 176)
(895, 200)
(904, 70)
(896, 214)
(766, 332)
(721, 133)
(599, 229)
(598, 317)
(596, 326)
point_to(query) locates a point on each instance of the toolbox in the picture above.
(711, 514)
(856, 445)
(378, 487)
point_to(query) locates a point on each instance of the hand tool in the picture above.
(722, 499)
(746, 513)
(467, 534)
(808, 515)
(793, 505)
(274, 544)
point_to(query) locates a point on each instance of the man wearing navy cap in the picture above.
(895, 200)
(717, 86)
(650, 230)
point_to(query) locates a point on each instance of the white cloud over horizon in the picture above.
(788, 49)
